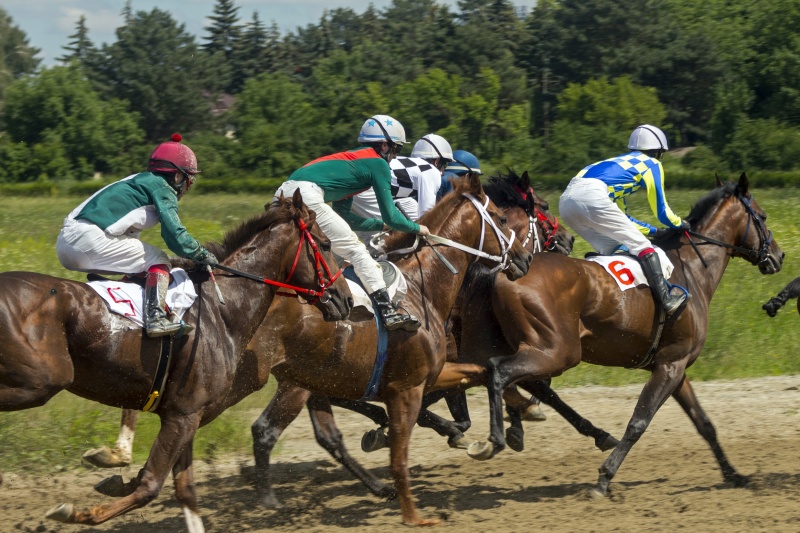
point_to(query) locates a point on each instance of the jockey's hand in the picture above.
(685, 225)
(423, 231)
(209, 260)
(659, 232)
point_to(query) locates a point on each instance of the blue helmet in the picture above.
(463, 162)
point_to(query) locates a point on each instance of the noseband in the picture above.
(324, 276)
(549, 227)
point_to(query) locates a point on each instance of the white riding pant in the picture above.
(586, 208)
(84, 247)
(344, 242)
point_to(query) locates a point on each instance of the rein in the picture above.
(319, 263)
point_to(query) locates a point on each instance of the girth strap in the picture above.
(162, 371)
(659, 329)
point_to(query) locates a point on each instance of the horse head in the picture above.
(731, 213)
(529, 214)
(465, 214)
(288, 230)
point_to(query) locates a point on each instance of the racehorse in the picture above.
(575, 312)
(58, 335)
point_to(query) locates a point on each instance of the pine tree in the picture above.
(224, 31)
(252, 52)
(80, 46)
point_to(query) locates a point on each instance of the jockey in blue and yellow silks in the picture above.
(593, 205)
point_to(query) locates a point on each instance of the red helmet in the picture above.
(173, 156)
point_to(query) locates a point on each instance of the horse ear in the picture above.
(744, 184)
(717, 181)
(475, 186)
(297, 200)
(525, 181)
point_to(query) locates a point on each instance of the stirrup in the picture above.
(397, 321)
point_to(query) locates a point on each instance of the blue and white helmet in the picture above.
(379, 128)
(463, 163)
(647, 137)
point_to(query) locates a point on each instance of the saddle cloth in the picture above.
(127, 299)
(395, 285)
(626, 269)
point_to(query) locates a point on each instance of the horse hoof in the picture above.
(460, 443)
(61, 513)
(423, 522)
(608, 443)
(534, 413)
(114, 487)
(374, 440)
(595, 494)
(515, 438)
(388, 493)
(481, 450)
(270, 502)
(105, 457)
(739, 480)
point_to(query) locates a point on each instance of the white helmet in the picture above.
(432, 146)
(647, 137)
(379, 128)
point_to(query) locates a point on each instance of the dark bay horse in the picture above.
(57, 335)
(577, 313)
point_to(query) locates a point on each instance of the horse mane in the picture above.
(433, 218)
(503, 193)
(699, 211)
(235, 238)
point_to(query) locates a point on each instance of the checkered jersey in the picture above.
(626, 174)
(415, 178)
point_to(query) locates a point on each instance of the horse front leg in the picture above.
(176, 434)
(403, 407)
(688, 401)
(664, 380)
(186, 491)
(542, 390)
(122, 452)
(329, 437)
(284, 407)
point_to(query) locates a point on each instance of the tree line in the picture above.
(549, 90)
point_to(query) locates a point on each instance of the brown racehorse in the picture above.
(337, 359)
(58, 335)
(571, 310)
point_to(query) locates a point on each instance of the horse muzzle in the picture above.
(518, 266)
(335, 305)
(771, 264)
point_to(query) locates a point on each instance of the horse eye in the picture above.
(545, 206)
(503, 221)
(325, 245)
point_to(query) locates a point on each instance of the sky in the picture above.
(49, 23)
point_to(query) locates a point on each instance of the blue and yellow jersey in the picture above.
(626, 174)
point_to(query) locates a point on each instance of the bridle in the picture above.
(549, 227)
(324, 276)
(754, 256)
(503, 260)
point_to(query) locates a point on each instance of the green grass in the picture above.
(742, 342)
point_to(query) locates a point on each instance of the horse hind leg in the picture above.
(542, 390)
(122, 452)
(280, 412)
(792, 290)
(329, 437)
(186, 491)
(688, 401)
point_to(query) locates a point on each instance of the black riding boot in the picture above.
(652, 271)
(156, 322)
(391, 318)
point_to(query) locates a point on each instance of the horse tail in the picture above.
(792, 290)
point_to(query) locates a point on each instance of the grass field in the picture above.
(743, 341)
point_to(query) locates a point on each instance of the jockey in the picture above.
(337, 178)
(463, 163)
(415, 179)
(593, 205)
(103, 233)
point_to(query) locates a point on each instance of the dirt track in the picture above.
(669, 481)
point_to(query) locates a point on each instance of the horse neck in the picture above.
(427, 273)
(247, 301)
(718, 227)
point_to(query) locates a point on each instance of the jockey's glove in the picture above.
(208, 259)
(685, 225)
